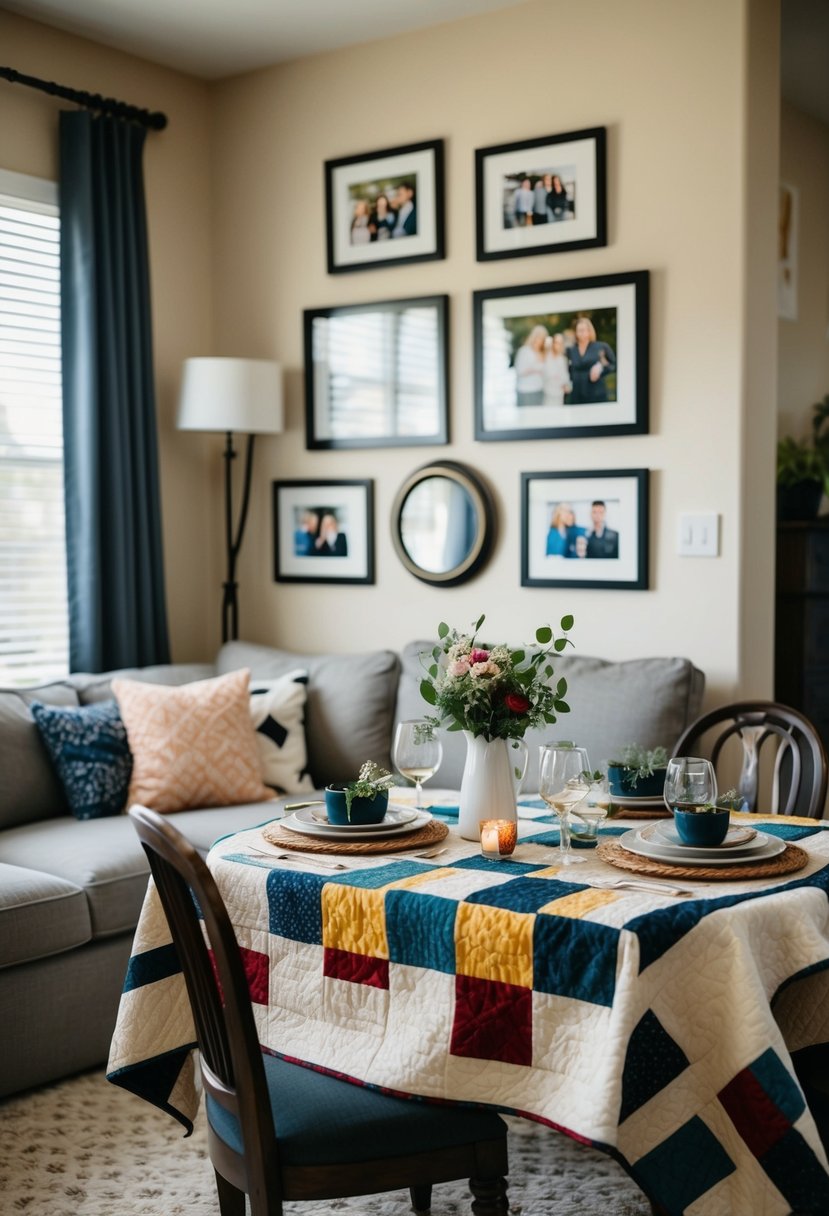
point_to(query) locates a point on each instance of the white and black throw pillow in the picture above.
(277, 710)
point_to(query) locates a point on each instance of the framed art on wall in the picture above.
(560, 360)
(383, 208)
(585, 529)
(543, 195)
(376, 374)
(323, 531)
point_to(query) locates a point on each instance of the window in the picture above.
(34, 626)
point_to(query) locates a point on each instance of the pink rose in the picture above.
(479, 656)
(458, 668)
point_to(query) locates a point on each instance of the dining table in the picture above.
(656, 1023)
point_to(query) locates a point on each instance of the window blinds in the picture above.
(34, 635)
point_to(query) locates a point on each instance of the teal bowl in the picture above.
(702, 829)
(621, 783)
(363, 810)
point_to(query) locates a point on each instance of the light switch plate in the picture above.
(698, 536)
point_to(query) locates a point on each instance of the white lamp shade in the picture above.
(243, 395)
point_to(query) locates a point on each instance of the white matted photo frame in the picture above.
(376, 375)
(384, 208)
(544, 195)
(323, 531)
(585, 529)
(567, 359)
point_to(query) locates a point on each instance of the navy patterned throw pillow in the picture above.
(89, 749)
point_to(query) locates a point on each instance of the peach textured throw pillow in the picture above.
(193, 745)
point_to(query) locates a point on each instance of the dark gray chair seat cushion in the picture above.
(102, 856)
(646, 701)
(320, 1119)
(40, 915)
(350, 706)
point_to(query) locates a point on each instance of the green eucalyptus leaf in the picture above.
(559, 644)
(566, 622)
(443, 629)
(561, 687)
(544, 635)
(427, 692)
(562, 707)
(433, 671)
(479, 622)
(517, 657)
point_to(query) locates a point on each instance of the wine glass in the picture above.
(417, 753)
(563, 785)
(690, 781)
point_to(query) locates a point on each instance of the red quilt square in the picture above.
(255, 967)
(493, 1021)
(356, 968)
(755, 1116)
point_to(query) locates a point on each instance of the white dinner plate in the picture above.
(636, 800)
(394, 816)
(738, 839)
(633, 842)
(307, 827)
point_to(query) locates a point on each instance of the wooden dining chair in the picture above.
(278, 1131)
(797, 756)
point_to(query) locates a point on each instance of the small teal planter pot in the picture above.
(702, 828)
(620, 783)
(363, 810)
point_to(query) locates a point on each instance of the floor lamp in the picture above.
(232, 395)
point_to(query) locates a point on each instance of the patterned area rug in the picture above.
(87, 1148)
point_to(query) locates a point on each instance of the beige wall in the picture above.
(677, 202)
(804, 344)
(178, 205)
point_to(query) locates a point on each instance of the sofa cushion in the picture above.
(89, 750)
(29, 786)
(204, 828)
(102, 856)
(98, 687)
(647, 701)
(277, 710)
(192, 746)
(350, 705)
(40, 915)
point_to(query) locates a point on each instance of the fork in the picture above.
(635, 884)
(309, 858)
(427, 854)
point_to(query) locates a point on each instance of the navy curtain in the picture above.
(117, 615)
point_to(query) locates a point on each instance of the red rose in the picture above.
(516, 703)
(479, 656)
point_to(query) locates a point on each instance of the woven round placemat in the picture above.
(787, 862)
(430, 833)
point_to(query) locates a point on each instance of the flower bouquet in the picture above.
(494, 695)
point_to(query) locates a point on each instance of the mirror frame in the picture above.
(485, 511)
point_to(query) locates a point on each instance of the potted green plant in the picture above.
(365, 800)
(803, 469)
(637, 772)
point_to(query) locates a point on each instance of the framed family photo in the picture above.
(323, 531)
(383, 208)
(585, 529)
(542, 195)
(562, 360)
(376, 375)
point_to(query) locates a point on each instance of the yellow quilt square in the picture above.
(579, 903)
(494, 944)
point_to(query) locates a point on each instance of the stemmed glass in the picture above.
(417, 753)
(690, 781)
(563, 785)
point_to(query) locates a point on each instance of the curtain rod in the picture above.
(92, 101)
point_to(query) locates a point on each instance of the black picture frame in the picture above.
(355, 183)
(317, 554)
(556, 547)
(410, 336)
(504, 320)
(574, 219)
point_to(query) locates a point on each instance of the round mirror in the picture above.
(442, 523)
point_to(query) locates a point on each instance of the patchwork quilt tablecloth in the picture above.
(639, 1023)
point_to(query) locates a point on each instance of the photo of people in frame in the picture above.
(539, 195)
(582, 530)
(566, 358)
(384, 209)
(320, 531)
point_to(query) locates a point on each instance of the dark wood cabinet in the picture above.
(801, 651)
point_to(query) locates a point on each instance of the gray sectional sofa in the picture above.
(71, 890)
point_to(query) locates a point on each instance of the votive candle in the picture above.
(498, 837)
